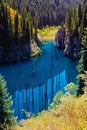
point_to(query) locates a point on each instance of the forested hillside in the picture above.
(16, 33)
(47, 12)
(73, 40)
(20, 23)
(76, 24)
(21, 18)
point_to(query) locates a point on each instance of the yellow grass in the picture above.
(48, 34)
(71, 114)
(35, 50)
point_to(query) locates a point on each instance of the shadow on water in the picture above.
(33, 84)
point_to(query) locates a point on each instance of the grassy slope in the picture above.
(71, 114)
(35, 50)
(48, 34)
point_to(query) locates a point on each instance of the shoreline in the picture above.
(48, 34)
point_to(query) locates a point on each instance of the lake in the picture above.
(34, 83)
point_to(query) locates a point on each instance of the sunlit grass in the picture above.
(71, 114)
(35, 50)
(48, 33)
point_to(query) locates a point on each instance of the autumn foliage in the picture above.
(71, 114)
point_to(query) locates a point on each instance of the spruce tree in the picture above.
(23, 30)
(84, 19)
(27, 33)
(83, 60)
(10, 23)
(6, 114)
(82, 66)
(16, 22)
(5, 23)
(85, 16)
(69, 20)
(31, 32)
(79, 15)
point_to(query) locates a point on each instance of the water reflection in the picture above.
(37, 99)
(34, 83)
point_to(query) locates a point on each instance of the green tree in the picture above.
(82, 65)
(79, 14)
(57, 99)
(10, 24)
(6, 115)
(16, 35)
(71, 88)
(69, 19)
(27, 33)
(84, 19)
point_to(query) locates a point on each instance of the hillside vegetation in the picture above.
(48, 33)
(71, 114)
(17, 36)
(42, 13)
(20, 20)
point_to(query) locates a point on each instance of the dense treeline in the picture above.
(16, 36)
(13, 28)
(20, 25)
(76, 23)
(76, 20)
(47, 12)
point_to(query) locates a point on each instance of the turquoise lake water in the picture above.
(34, 83)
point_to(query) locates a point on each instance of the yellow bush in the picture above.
(48, 33)
(71, 114)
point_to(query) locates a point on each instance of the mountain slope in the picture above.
(45, 12)
(71, 114)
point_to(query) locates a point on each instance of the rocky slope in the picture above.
(19, 53)
(69, 44)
